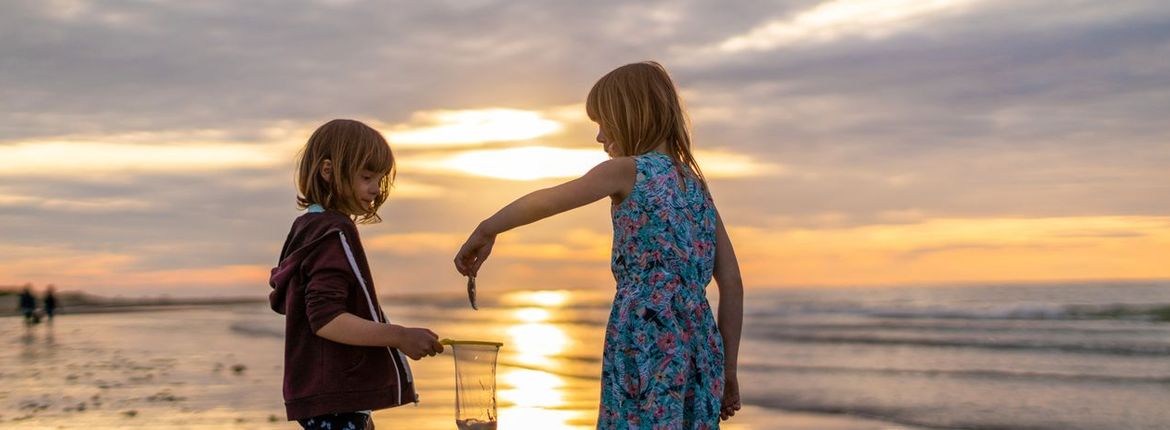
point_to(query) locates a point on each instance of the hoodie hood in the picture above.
(288, 271)
(308, 231)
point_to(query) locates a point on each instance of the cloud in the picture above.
(164, 134)
(831, 20)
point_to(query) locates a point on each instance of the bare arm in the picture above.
(730, 314)
(351, 329)
(614, 177)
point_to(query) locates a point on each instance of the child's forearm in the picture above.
(525, 210)
(730, 320)
(609, 178)
(351, 329)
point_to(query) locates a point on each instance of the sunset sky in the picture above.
(148, 147)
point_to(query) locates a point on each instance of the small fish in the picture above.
(471, 291)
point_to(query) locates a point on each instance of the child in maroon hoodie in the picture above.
(342, 357)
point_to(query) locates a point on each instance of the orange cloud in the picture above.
(96, 272)
(958, 250)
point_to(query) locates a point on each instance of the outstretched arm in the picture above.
(613, 177)
(730, 315)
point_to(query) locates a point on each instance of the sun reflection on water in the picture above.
(536, 344)
(533, 388)
(547, 298)
(532, 315)
(541, 419)
(533, 397)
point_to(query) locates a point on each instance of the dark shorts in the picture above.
(345, 421)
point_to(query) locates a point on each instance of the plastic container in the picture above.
(475, 383)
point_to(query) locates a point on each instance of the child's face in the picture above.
(606, 143)
(367, 186)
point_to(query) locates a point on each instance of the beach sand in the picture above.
(219, 367)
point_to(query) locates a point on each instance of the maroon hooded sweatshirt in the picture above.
(322, 273)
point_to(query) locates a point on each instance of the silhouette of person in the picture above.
(50, 303)
(28, 305)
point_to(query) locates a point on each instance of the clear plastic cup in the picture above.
(475, 383)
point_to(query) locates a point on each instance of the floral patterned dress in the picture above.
(663, 362)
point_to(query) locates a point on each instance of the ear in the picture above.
(327, 170)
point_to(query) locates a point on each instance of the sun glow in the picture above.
(470, 127)
(518, 164)
(726, 164)
(53, 157)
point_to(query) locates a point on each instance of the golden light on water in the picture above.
(474, 126)
(547, 298)
(536, 399)
(533, 388)
(532, 315)
(535, 340)
(541, 419)
(537, 343)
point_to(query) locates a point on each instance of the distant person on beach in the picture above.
(666, 364)
(342, 356)
(50, 301)
(28, 306)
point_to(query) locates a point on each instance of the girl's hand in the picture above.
(417, 343)
(730, 397)
(473, 252)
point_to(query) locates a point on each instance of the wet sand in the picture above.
(219, 367)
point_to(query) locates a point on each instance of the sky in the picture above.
(147, 147)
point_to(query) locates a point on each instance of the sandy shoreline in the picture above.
(191, 366)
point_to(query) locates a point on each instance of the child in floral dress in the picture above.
(667, 364)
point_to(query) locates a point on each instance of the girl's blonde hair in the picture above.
(638, 108)
(351, 146)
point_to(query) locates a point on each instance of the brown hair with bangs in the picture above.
(638, 107)
(351, 146)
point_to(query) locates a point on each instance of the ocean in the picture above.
(1073, 356)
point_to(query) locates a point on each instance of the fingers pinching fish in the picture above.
(471, 292)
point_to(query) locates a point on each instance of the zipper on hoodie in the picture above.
(395, 356)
